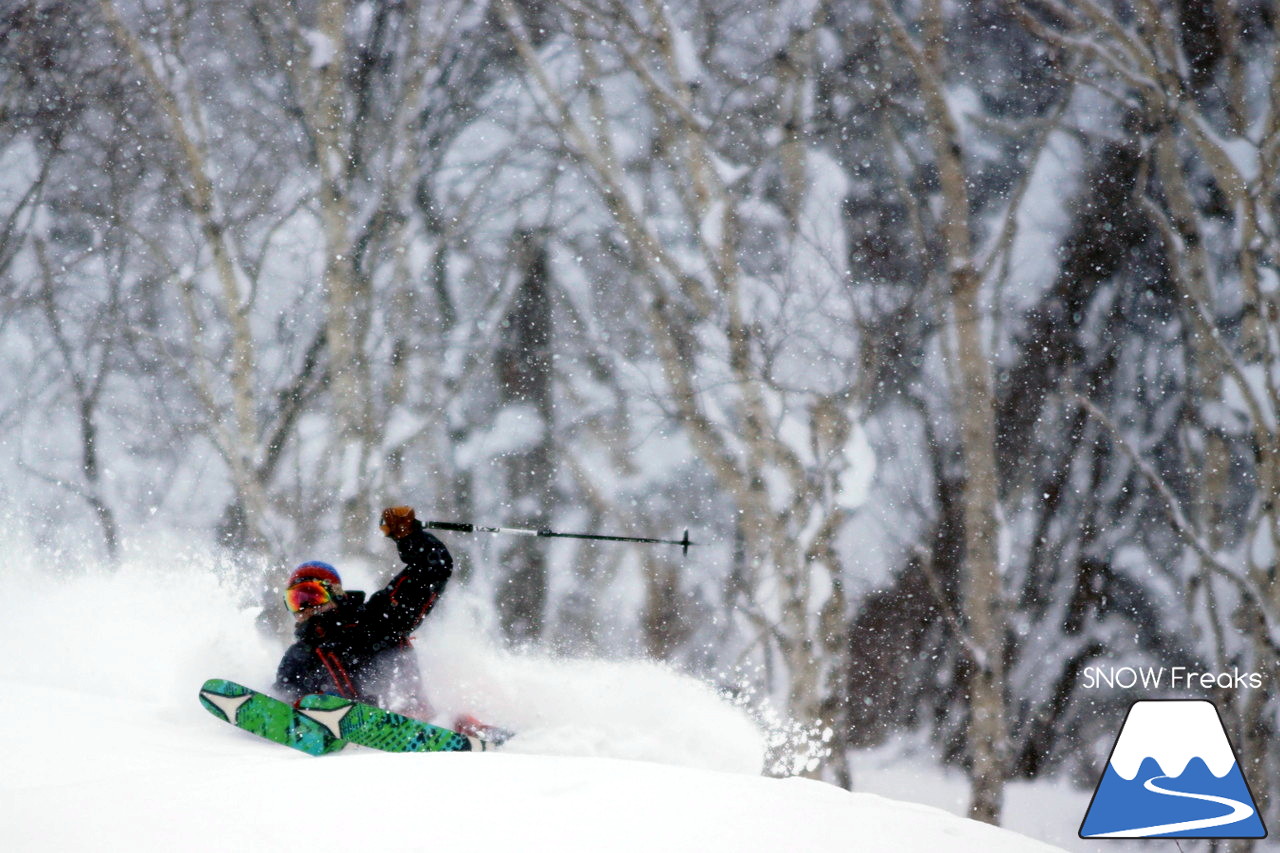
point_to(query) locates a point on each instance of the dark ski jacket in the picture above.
(360, 649)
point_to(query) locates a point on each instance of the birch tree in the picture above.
(230, 400)
(64, 262)
(691, 224)
(1206, 125)
(961, 280)
(525, 382)
(357, 81)
(310, 179)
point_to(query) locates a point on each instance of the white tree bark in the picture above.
(973, 400)
(786, 505)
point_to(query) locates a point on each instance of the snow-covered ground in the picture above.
(161, 779)
(104, 746)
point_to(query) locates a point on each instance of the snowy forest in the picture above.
(949, 330)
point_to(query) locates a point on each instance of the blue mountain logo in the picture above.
(1172, 774)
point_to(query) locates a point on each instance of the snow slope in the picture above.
(163, 780)
(104, 746)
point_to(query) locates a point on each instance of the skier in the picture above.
(359, 648)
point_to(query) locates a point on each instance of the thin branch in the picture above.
(1183, 526)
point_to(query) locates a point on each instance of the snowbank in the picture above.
(84, 774)
(104, 745)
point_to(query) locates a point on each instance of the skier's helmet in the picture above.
(314, 570)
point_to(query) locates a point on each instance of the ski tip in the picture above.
(224, 686)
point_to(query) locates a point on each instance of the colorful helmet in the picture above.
(314, 570)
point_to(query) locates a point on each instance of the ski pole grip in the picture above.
(450, 525)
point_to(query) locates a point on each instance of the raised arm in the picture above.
(398, 608)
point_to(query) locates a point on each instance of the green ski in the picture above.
(267, 717)
(386, 730)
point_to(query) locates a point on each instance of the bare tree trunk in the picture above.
(86, 385)
(973, 400)
(1153, 53)
(348, 382)
(524, 376)
(664, 620)
(237, 440)
(981, 593)
(700, 308)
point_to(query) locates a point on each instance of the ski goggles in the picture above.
(306, 594)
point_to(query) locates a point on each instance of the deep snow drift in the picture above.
(105, 747)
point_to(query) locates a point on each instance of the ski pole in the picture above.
(462, 527)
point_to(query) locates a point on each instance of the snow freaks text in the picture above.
(1171, 677)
